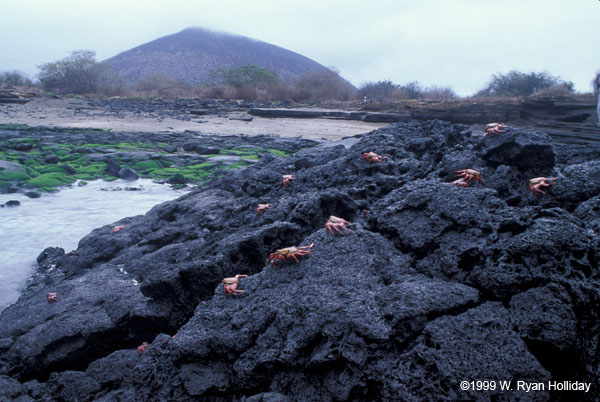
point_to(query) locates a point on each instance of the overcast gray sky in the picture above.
(455, 43)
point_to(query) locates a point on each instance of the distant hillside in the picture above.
(192, 53)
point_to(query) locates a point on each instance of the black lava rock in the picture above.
(433, 284)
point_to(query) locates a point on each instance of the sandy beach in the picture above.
(77, 113)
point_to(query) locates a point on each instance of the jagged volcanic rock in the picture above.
(435, 284)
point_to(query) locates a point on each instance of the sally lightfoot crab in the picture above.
(262, 208)
(537, 183)
(335, 223)
(372, 157)
(288, 253)
(230, 285)
(468, 175)
(142, 348)
(51, 297)
(494, 128)
(286, 179)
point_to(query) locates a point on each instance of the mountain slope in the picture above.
(191, 54)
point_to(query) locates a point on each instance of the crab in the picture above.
(262, 208)
(460, 183)
(118, 228)
(289, 253)
(286, 179)
(51, 297)
(372, 157)
(467, 175)
(494, 128)
(537, 183)
(335, 223)
(230, 285)
(142, 348)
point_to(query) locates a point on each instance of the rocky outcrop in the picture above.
(435, 284)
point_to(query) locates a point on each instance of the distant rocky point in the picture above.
(191, 54)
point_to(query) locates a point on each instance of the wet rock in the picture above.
(12, 203)
(433, 285)
(33, 194)
(170, 148)
(51, 158)
(50, 257)
(127, 174)
(524, 149)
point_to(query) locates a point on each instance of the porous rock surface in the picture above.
(434, 285)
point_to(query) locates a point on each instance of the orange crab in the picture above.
(467, 175)
(335, 223)
(494, 128)
(286, 179)
(372, 157)
(537, 183)
(230, 285)
(288, 253)
(262, 208)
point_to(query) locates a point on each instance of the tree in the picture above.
(516, 83)
(78, 73)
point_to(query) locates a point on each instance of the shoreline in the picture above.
(80, 113)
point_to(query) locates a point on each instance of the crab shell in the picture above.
(335, 223)
(288, 253)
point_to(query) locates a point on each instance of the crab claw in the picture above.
(460, 183)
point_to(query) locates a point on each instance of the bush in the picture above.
(516, 83)
(320, 86)
(248, 76)
(378, 91)
(160, 84)
(14, 79)
(77, 74)
(439, 93)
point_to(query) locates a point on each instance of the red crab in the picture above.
(286, 179)
(335, 223)
(460, 183)
(467, 175)
(118, 228)
(288, 253)
(262, 208)
(142, 348)
(230, 285)
(537, 183)
(494, 128)
(372, 157)
(51, 297)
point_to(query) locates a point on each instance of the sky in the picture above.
(445, 43)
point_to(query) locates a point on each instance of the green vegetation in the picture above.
(516, 83)
(49, 181)
(35, 172)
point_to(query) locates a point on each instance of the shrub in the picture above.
(248, 76)
(516, 83)
(322, 86)
(14, 79)
(77, 73)
(378, 91)
(160, 84)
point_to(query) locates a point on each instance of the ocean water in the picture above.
(61, 219)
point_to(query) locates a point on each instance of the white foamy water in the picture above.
(60, 220)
